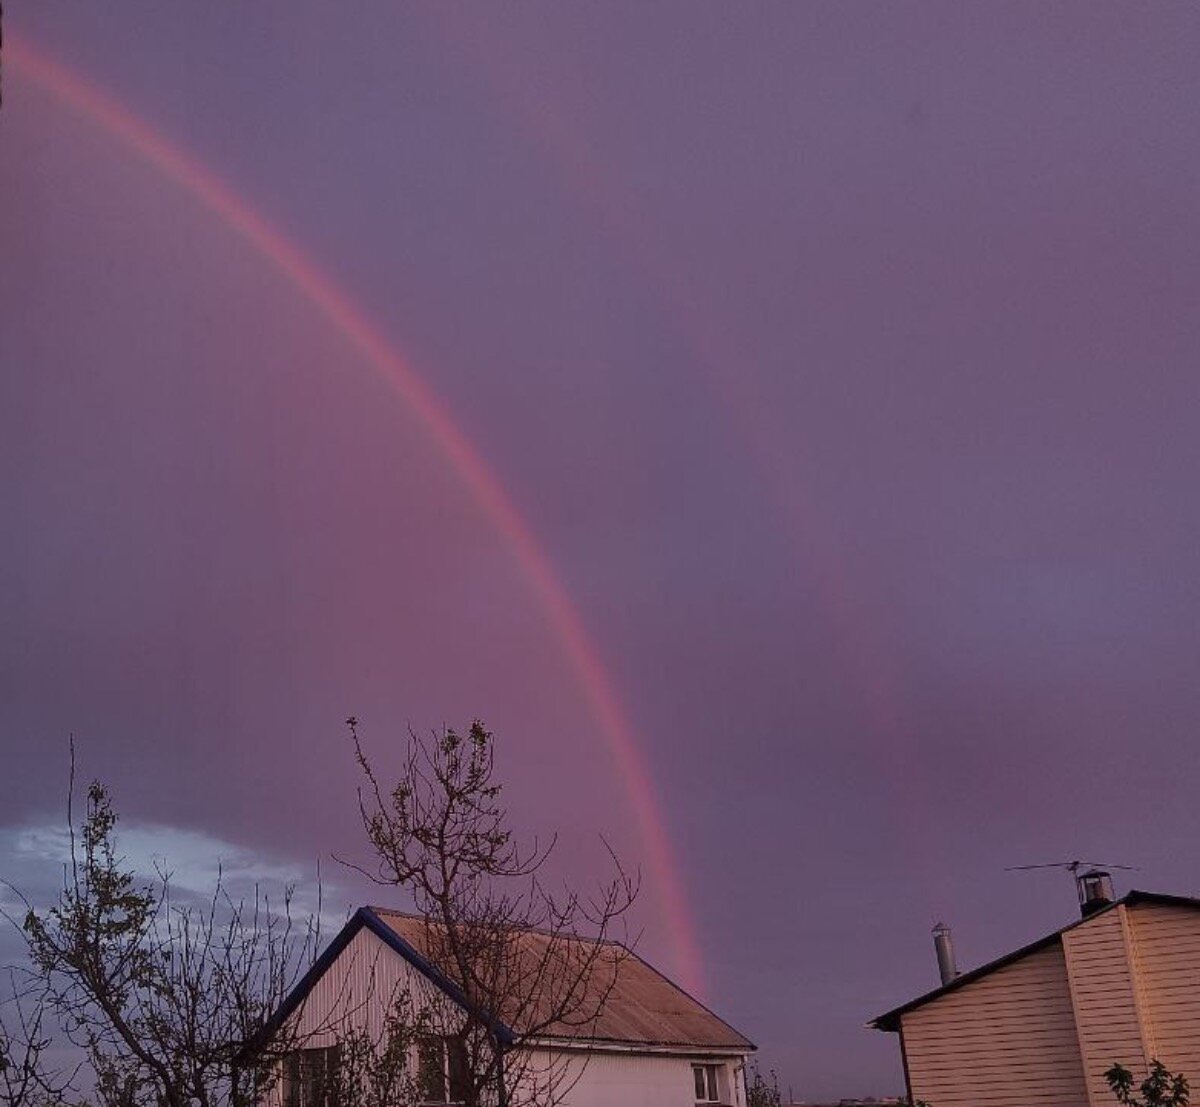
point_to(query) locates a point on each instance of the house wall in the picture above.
(1120, 987)
(359, 989)
(1004, 1040)
(644, 1080)
(1166, 946)
(1108, 1014)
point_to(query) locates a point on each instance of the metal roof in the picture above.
(890, 1020)
(643, 1007)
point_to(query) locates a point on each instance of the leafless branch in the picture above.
(172, 1002)
(531, 965)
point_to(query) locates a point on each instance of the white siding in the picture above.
(1004, 1040)
(644, 1080)
(1120, 987)
(358, 989)
(1166, 942)
(1107, 1015)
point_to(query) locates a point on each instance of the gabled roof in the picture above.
(643, 1008)
(890, 1020)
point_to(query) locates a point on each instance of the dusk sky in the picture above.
(780, 424)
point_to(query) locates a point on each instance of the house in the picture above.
(1040, 1026)
(650, 1045)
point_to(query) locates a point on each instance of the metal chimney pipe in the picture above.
(944, 945)
(1095, 891)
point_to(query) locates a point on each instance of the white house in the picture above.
(652, 1044)
(1040, 1026)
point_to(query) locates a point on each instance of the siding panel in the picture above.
(631, 1080)
(1005, 1040)
(1166, 941)
(359, 989)
(1107, 1012)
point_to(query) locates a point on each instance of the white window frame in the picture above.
(710, 1077)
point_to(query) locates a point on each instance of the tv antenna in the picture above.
(1072, 867)
(1093, 884)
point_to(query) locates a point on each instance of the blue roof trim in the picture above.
(318, 969)
(364, 916)
(427, 968)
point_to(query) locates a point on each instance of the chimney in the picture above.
(944, 945)
(1095, 891)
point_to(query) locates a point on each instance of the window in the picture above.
(310, 1077)
(442, 1070)
(705, 1077)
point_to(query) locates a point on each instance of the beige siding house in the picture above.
(1039, 1027)
(653, 1045)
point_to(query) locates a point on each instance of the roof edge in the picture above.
(626, 1045)
(366, 917)
(314, 973)
(684, 992)
(431, 972)
(889, 1021)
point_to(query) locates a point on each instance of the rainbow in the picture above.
(716, 355)
(307, 279)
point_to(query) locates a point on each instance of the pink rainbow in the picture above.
(302, 273)
(716, 355)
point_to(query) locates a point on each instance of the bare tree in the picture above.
(171, 1002)
(761, 1091)
(528, 965)
(27, 1076)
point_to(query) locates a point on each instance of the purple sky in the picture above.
(841, 358)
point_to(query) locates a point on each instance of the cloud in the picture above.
(34, 859)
